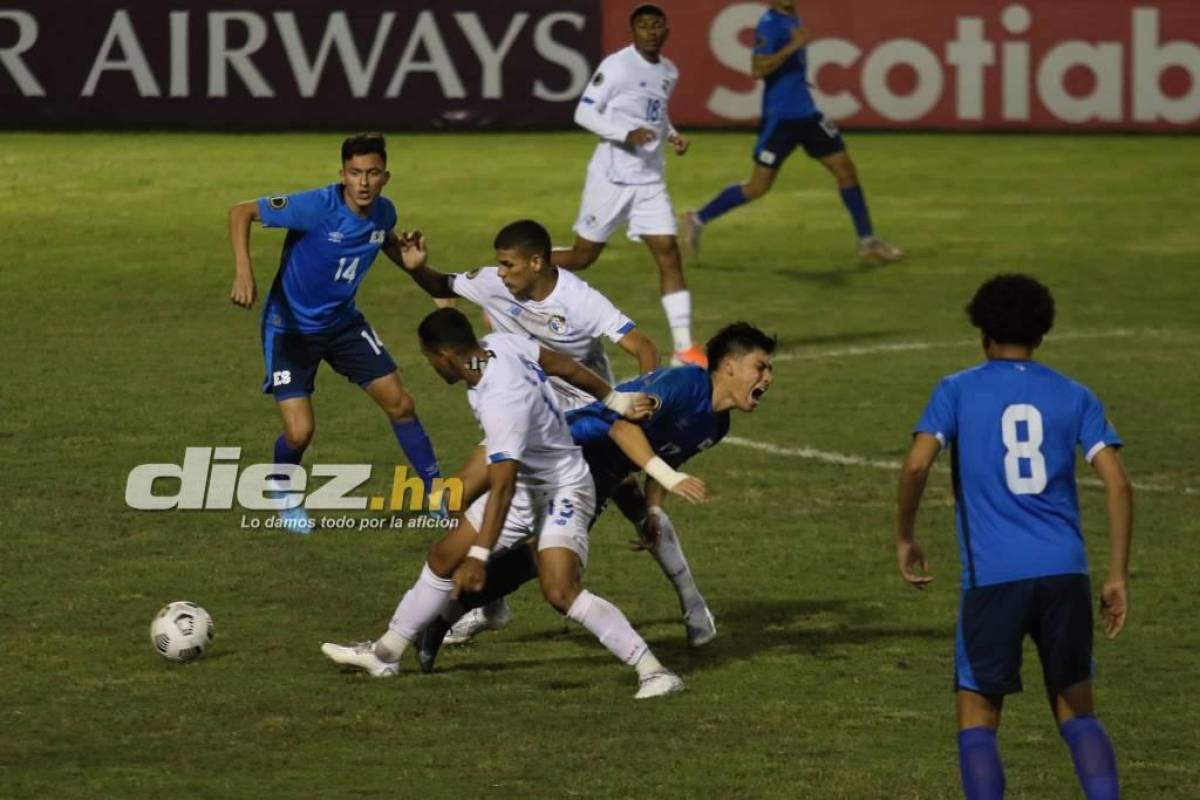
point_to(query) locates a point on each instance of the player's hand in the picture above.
(910, 558)
(648, 533)
(680, 142)
(1114, 605)
(691, 489)
(640, 136)
(244, 291)
(631, 405)
(413, 252)
(469, 577)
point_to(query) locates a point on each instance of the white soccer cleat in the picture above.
(361, 656)
(701, 627)
(492, 617)
(656, 684)
(877, 249)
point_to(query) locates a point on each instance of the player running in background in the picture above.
(691, 415)
(790, 118)
(527, 295)
(1013, 425)
(626, 106)
(539, 486)
(334, 234)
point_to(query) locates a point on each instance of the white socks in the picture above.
(608, 624)
(669, 555)
(420, 604)
(678, 308)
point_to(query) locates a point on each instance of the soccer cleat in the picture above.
(293, 520)
(656, 684)
(877, 249)
(692, 355)
(692, 226)
(360, 655)
(489, 618)
(430, 642)
(701, 627)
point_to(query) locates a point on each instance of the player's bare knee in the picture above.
(560, 593)
(754, 190)
(400, 408)
(298, 434)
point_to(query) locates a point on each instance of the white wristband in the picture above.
(479, 553)
(654, 511)
(620, 402)
(661, 471)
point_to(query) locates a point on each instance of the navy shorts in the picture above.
(292, 358)
(1055, 611)
(777, 139)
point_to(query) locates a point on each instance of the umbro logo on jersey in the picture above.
(336, 237)
(377, 237)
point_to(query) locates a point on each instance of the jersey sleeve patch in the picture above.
(277, 202)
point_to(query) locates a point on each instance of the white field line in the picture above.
(845, 460)
(903, 347)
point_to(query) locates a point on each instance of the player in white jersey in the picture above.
(540, 487)
(626, 106)
(527, 295)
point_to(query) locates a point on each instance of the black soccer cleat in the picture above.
(430, 642)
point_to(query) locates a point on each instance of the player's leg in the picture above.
(676, 299)
(1063, 633)
(291, 367)
(357, 352)
(776, 141)
(823, 142)
(562, 556)
(992, 623)
(420, 604)
(668, 552)
(603, 206)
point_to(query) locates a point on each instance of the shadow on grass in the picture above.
(835, 276)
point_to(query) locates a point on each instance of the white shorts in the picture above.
(646, 207)
(558, 518)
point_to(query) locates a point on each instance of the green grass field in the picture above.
(831, 679)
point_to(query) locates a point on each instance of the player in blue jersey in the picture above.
(1013, 425)
(334, 235)
(790, 118)
(692, 415)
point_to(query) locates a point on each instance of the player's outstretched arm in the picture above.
(636, 447)
(1114, 596)
(471, 574)
(910, 558)
(763, 65)
(631, 405)
(410, 253)
(244, 291)
(639, 345)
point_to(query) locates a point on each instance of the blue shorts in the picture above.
(1055, 611)
(777, 139)
(292, 357)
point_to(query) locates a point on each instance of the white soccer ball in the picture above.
(181, 631)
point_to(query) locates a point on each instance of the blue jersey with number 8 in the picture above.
(1013, 427)
(327, 253)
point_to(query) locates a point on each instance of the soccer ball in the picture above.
(181, 631)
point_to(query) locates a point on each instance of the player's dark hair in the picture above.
(447, 327)
(647, 8)
(361, 144)
(527, 237)
(737, 339)
(1012, 309)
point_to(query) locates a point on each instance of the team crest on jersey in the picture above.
(472, 274)
(277, 202)
(558, 324)
(599, 79)
(377, 237)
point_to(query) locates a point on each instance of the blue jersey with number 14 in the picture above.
(1013, 427)
(327, 253)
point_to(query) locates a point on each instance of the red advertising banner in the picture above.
(948, 64)
(295, 64)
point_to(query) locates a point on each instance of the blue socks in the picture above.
(417, 449)
(856, 204)
(979, 763)
(730, 198)
(285, 453)
(1092, 752)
